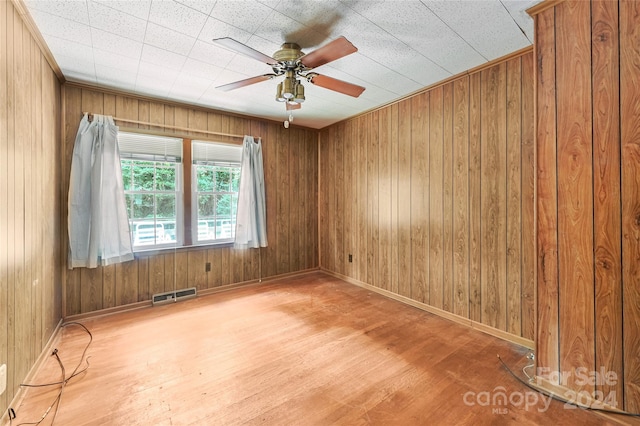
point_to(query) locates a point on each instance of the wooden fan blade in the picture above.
(245, 50)
(337, 85)
(329, 52)
(245, 82)
(292, 107)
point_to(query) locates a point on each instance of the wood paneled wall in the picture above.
(588, 142)
(433, 197)
(290, 166)
(588, 145)
(30, 269)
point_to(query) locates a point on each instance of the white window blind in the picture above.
(158, 148)
(209, 152)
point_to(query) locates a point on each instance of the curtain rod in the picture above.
(165, 126)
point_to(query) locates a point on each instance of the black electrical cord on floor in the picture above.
(62, 383)
(566, 401)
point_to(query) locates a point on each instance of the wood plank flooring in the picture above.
(310, 350)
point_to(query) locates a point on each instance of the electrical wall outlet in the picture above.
(3, 378)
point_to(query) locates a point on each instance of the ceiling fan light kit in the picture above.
(292, 63)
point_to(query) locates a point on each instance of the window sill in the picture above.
(141, 254)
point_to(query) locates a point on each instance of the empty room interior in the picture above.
(319, 212)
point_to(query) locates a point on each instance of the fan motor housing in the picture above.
(289, 52)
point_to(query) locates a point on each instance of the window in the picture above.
(152, 172)
(216, 173)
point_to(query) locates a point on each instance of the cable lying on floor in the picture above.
(63, 382)
(559, 398)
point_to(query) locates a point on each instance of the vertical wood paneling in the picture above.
(373, 197)
(547, 197)
(493, 197)
(404, 197)
(4, 194)
(361, 135)
(574, 163)
(447, 198)
(514, 194)
(588, 314)
(420, 197)
(447, 184)
(461, 220)
(384, 213)
(436, 205)
(630, 133)
(394, 146)
(606, 190)
(346, 233)
(30, 271)
(475, 211)
(528, 202)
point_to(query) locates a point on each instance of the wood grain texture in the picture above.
(514, 195)
(429, 159)
(395, 146)
(384, 213)
(605, 61)
(630, 135)
(528, 201)
(493, 197)
(547, 340)
(404, 197)
(460, 143)
(447, 198)
(475, 206)
(436, 204)
(364, 363)
(575, 193)
(420, 198)
(30, 267)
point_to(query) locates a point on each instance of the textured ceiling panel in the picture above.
(164, 48)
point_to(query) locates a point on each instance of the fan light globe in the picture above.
(299, 95)
(279, 96)
(288, 87)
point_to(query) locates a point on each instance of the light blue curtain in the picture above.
(251, 217)
(97, 221)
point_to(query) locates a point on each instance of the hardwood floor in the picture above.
(311, 350)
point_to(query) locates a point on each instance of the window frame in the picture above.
(186, 199)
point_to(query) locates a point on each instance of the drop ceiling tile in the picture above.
(157, 89)
(247, 67)
(168, 39)
(214, 28)
(211, 54)
(114, 43)
(115, 78)
(164, 58)
(268, 47)
(70, 49)
(488, 26)
(81, 65)
(137, 8)
(75, 10)
(51, 25)
(189, 86)
(312, 13)
(201, 69)
(151, 71)
(248, 16)
(178, 17)
(111, 59)
(518, 11)
(277, 28)
(203, 6)
(116, 22)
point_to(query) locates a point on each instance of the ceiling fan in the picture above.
(291, 62)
